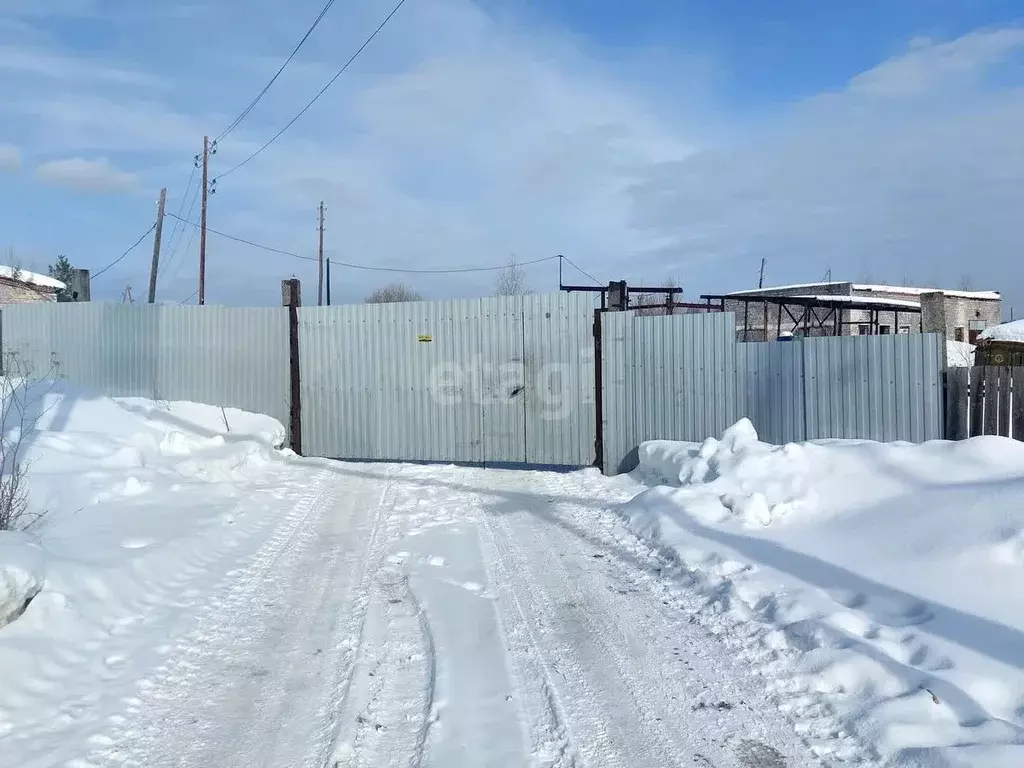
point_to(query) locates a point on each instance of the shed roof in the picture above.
(31, 278)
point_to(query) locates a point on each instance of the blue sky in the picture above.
(648, 140)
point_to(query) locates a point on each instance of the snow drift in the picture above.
(140, 502)
(886, 575)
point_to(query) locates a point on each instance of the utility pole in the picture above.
(126, 297)
(329, 284)
(202, 221)
(320, 261)
(760, 280)
(156, 244)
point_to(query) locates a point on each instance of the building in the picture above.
(1002, 345)
(18, 286)
(853, 309)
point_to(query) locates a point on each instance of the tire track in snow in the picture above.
(140, 737)
(392, 725)
(542, 713)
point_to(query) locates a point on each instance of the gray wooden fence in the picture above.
(985, 400)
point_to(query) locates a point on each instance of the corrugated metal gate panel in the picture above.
(500, 380)
(558, 332)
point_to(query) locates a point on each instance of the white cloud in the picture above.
(908, 173)
(10, 158)
(21, 60)
(89, 175)
(458, 138)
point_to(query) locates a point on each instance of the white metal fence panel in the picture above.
(391, 381)
(665, 377)
(769, 381)
(882, 388)
(504, 380)
(558, 332)
(234, 357)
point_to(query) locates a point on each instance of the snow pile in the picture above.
(875, 586)
(959, 354)
(144, 506)
(1013, 331)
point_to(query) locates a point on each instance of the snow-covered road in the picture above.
(441, 616)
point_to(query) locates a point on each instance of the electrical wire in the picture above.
(187, 300)
(322, 91)
(368, 268)
(178, 230)
(181, 234)
(581, 271)
(245, 112)
(135, 245)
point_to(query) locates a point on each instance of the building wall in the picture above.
(13, 292)
(961, 313)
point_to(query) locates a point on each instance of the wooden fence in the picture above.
(985, 400)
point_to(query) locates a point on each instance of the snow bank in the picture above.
(145, 505)
(886, 575)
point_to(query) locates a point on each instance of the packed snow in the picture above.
(887, 575)
(31, 278)
(198, 596)
(1012, 331)
(959, 354)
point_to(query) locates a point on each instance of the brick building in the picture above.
(18, 286)
(852, 309)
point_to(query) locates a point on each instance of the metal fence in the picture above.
(217, 355)
(495, 380)
(686, 378)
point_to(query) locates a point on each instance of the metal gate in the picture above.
(505, 380)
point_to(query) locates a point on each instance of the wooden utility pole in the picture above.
(202, 221)
(320, 261)
(760, 280)
(156, 244)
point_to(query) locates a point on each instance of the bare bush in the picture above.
(511, 281)
(20, 411)
(393, 293)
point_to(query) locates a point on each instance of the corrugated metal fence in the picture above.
(495, 380)
(218, 355)
(685, 378)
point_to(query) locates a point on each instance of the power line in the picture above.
(245, 112)
(181, 234)
(322, 91)
(177, 224)
(135, 245)
(187, 300)
(439, 271)
(581, 271)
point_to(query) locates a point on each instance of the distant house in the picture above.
(854, 309)
(1002, 345)
(18, 286)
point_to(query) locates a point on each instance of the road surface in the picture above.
(443, 616)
